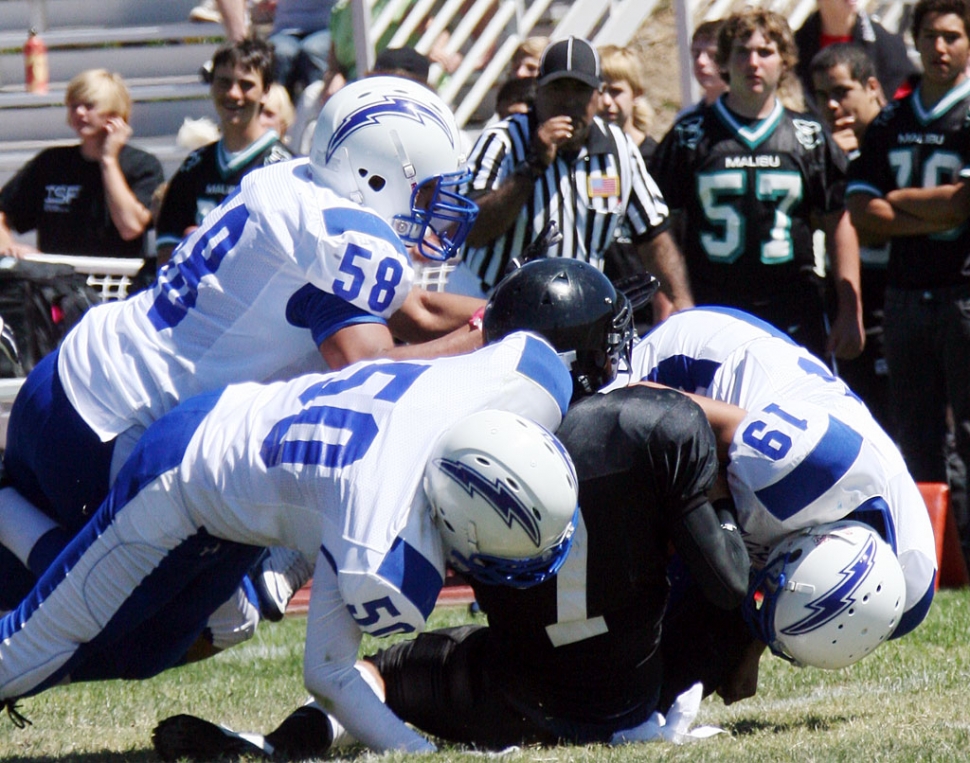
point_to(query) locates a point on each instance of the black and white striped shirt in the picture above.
(587, 196)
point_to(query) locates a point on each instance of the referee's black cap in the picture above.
(572, 58)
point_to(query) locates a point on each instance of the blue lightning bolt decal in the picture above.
(840, 597)
(498, 496)
(390, 105)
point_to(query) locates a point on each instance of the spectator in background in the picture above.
(232, 14)
(518, 93)
(920, 205)
(277, 113)
(93, 198)
(516, 96)
(846, 21)
(562, 163)
(622, 103)
(849, 98)
(301, 42)
(342, 64)
(525, 59)
(703, 53)
(242, 74)
(752, 182)
(624, 85)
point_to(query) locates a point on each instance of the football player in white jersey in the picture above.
(380, 472)
(303, 268)
(804, 452)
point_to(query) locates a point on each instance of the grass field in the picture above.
(909, 701)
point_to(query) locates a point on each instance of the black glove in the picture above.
(639, 288)
(549, 236)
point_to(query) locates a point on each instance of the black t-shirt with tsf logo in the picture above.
(60, 194)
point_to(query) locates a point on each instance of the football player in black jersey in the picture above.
(753, 180)
(577, 658)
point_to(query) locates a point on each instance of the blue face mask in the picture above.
(440, 216)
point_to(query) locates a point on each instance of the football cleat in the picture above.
(305, 733)
(185, 736)
(277, 576)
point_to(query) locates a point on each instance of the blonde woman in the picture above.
(93, 198)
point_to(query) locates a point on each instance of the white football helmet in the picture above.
(828, 595)
(394, 146)
(503, 494)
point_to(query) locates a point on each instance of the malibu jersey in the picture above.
(808, 451)
(747, 192)
(249, 296)
(206, 177)
(908, 146)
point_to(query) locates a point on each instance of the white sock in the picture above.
(21, 523)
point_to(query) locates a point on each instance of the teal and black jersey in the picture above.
(747, 189)
(909, 146)
(206, 177)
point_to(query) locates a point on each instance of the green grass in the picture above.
(909, 701)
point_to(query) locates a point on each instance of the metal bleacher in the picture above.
(152, 45)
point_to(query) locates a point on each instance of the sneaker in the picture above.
(185, 736)
(279, 574)
(207, 10)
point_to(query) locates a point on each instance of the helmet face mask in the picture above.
(503, 495)
(827, 596)
(440, 217)
(393, 145)
(572, 305)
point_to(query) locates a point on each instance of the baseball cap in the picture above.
(406, 59)
(572, 58)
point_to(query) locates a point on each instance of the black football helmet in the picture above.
(575, 307)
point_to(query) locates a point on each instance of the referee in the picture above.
(561, 162)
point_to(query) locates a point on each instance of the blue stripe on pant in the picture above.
(52, 456)
(55, 460)
(134, 588)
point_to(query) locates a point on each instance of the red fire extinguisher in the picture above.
(36, 73)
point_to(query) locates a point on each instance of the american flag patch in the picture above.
(600, 187)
